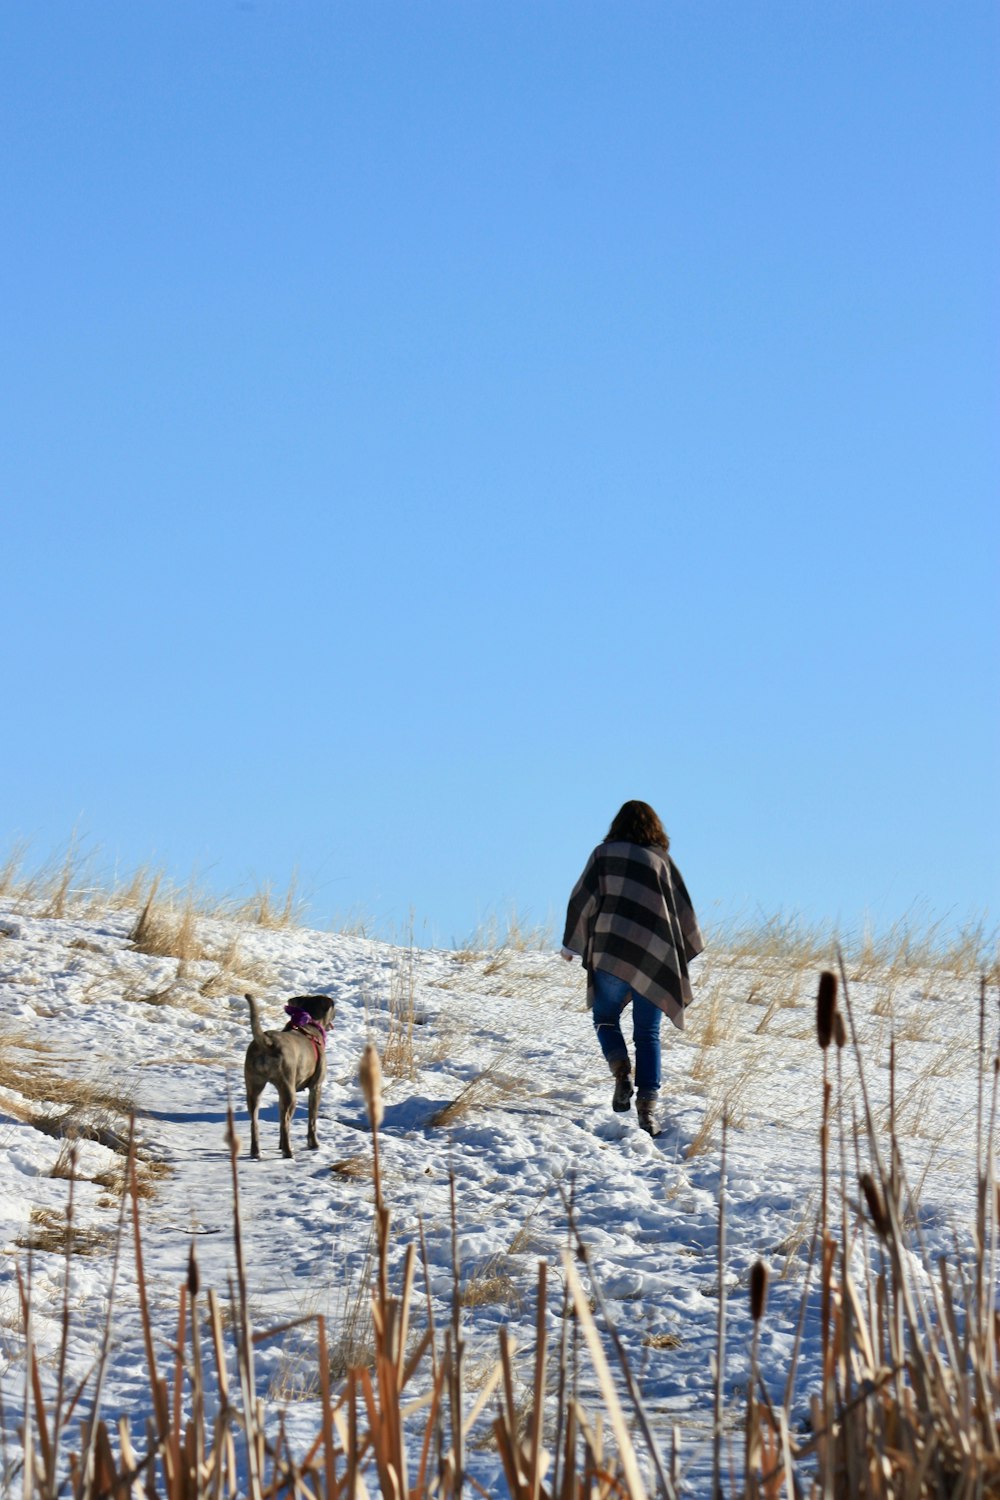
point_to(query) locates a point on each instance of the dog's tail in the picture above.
(259, 1036)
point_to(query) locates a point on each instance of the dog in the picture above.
(292, 1059)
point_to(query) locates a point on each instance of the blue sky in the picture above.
(425, 427)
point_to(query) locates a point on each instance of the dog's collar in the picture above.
(301, 1020)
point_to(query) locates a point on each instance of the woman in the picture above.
(631, 921)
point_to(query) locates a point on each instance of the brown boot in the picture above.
(622, 1097)
(644, 1109)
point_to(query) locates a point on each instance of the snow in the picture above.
(532, 1133)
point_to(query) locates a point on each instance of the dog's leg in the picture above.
(312, 1140)
(253, 1102)
(286, 1109)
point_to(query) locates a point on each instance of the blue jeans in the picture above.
(611, 995)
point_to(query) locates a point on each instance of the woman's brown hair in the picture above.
(637, 823)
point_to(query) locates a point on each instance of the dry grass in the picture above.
(114, 1179)
(10, 871)
(727, 1103)
(352, 1345)
(663, 1341)
(266, 909)
(355, 923)
(948, 1059)
(765, 1021)
(906, 949)
(490, 1087)
(226, 982)
(61, 882)
(50, 887)
(397, 1051)
(236, 971)
(17, 1037)
(790, 1247)
(783, 940)
(495, 939)
(164, 930)
(51, 1232)
(705, 1027)
(65, 1165)
(353, 1166)
(173, 993)
(131, 892)
(44, 1094)
(297, 1376)
(711, 1123)
(713, 1022)
(45, 1076)
(885, 999)
(148, 1174)
(178, 993)
(914, 1117)
(490, 1284)
(524, 1236)
(55, 888)
(917, 1026)
(168, 922)
(105, 1127)
(524, 936)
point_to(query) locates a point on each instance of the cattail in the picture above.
(370, 1078)
(194, 1279)
(758, 1290)
(839, 1028)
(875, 1205)
(826, 1008)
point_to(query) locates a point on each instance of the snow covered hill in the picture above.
(492, 1076)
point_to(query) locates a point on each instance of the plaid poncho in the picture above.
(630, 914)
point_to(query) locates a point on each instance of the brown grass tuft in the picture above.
(489, 1284)
(50, 1232)
(265, 909)
(663, 1341)
(39, 1079)
(727, 1103)
(163, 931)
(114, 1179)
(353, 1166)
(488, 1088)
